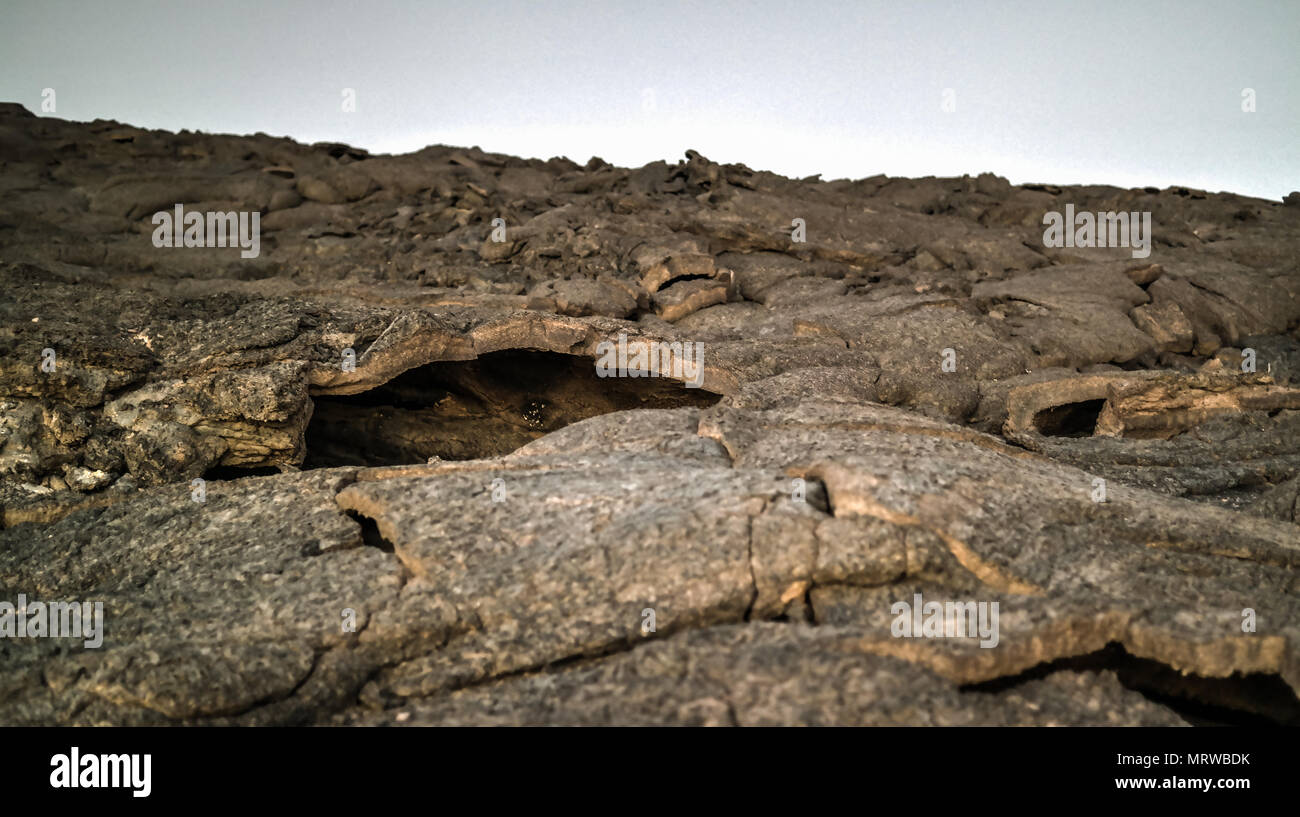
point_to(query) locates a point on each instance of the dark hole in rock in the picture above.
(816, 495)
(370, 534)
(681, 278)
(225, 472)
(1253, 699)
(461, 410)
(1070, 419)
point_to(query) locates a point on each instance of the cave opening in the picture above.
(1069, 419)
(474, 409)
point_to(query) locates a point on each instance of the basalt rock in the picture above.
(479, 439)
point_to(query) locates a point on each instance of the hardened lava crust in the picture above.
(374, 462)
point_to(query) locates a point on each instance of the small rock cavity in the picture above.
(1070, 419)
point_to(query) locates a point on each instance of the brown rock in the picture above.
(1166, 324)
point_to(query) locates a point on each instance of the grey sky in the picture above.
(1124, 93)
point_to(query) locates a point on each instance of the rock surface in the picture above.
(375, 474)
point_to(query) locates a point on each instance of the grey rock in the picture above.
(374, 476)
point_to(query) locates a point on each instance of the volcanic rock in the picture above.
(374, 475)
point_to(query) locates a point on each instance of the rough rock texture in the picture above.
(374, 474)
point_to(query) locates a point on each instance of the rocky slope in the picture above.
(371, 475)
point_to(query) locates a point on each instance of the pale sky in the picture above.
(1124, 93)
